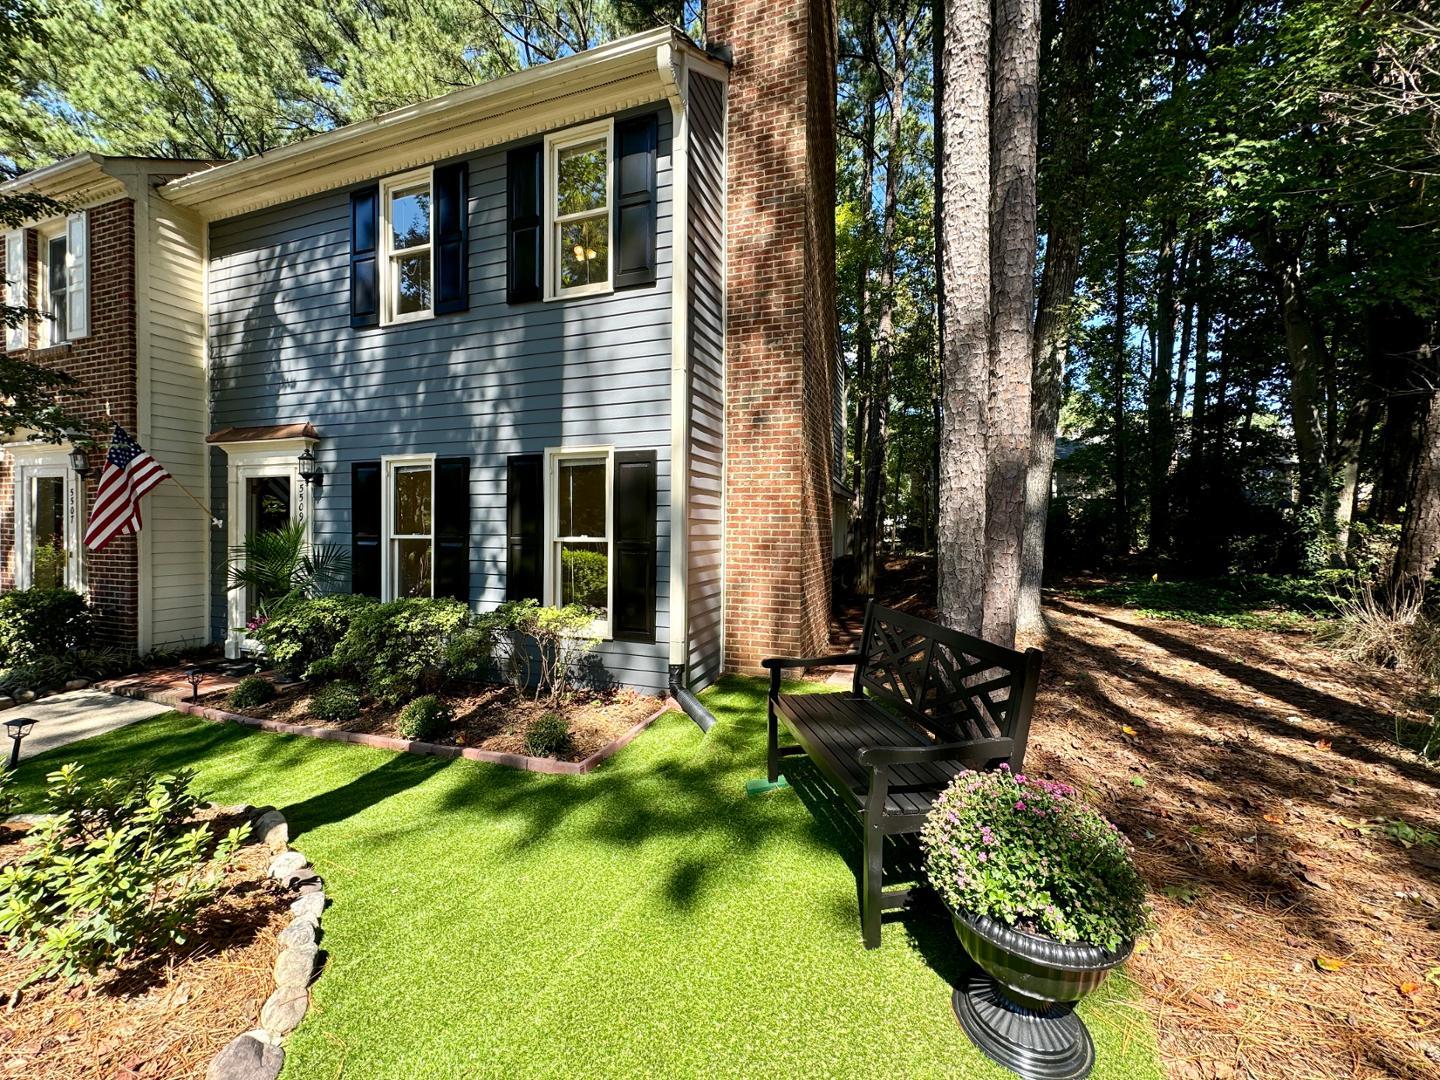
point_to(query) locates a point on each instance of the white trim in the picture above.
(553, 456)
(387, 278)
(388, 465)
(253, 461)
(41, 462)
(77, 275)
(554, 144)
(16, 288)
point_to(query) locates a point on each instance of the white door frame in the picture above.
(253, 461)
(33, 462)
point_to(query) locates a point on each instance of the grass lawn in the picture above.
(647, 919)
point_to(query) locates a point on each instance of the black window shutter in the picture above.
(365, 528)
(635, 560)
(525, 528)
(452, 280)
(364, 270)
(636, 146)
(452, 528)
(523, 170)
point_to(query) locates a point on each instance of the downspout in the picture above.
(671, 64)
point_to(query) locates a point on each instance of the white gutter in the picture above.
(675, 79)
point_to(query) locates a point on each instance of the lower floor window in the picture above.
(579, 534)
(47, 516)
(49, 549)
(410, 542)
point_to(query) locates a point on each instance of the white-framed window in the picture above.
(408, 516)
(579, 524)
(64, 279)
(579, 174)
(48, 552)
(407, 227)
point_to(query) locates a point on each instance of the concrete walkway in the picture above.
(67, 718)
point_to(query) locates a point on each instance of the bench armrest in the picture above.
(779, 663)
(970, 750)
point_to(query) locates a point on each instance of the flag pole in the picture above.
(214, 521)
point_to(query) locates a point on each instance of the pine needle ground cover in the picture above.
(649, 919)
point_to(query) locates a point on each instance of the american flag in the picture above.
(129, 473)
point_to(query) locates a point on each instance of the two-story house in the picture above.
(119, 276)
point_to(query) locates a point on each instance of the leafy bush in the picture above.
(251, 691)
(588, 575)
(40, 622)
(424, 718)
(309, 630)
(547, 735)
(397, 650)
(1028, 854)
(117, 873)
(336, 703)
(280, 569)
(1393, 630)
(547, 643)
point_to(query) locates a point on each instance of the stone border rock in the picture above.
(259, 1054)
(414, 746)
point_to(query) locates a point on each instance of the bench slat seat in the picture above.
(926, 703)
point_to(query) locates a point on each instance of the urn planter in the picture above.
(1019, 1007)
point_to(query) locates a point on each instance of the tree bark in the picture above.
(1187, 321)
(1015, 120)
(864, 339)
(1054, 317)
(1203, 317)
(1420, 529)
(1348, 453)
(963, 239)
(1117, 389)
(1159, 418)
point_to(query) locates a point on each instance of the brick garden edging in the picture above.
(415, 746)
(258, 1054)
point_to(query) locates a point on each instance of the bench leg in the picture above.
(873, 877)
(772, 749)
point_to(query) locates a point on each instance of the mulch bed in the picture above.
(487, 718)
(167, 1017)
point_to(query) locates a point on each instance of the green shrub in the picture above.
(547, 644)
(588, 575)
(1029, 854)
(547, 735)
(40, 622)
(251, 691)
(398, 650)
(336, 703)
(424, 718)
(41, 673)
(117, 873)
(309, 630)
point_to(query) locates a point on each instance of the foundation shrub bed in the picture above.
(309, 630)
(251, 691)
(335, 703)
(36, 623)
(547, 735)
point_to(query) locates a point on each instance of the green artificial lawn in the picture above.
(650, 919)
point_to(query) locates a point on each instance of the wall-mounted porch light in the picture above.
(310, 470)
(80, 462)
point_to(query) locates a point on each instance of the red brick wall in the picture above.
(780, 349)
(104, 363)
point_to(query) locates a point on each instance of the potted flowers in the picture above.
(1046, 900)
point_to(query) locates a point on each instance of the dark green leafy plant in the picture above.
(117, 873)
(398, 650)
(281, 569)
(337, 703)
(308, 630)
(547, 735)
(40, 622)
(1029, 854)
(424, 718)
(251, 691)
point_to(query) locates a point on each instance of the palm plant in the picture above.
(279, 568)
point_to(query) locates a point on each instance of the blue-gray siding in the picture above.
(706, 503)
(494, 381)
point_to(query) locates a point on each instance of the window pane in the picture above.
(584, 251)
(412, 283)
(47, 566)
(412, 568)
(410, 217)
(412, 501)
(582, 499)
(55, 269)
(584, 575)
(581, 182)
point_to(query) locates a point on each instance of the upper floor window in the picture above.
(54, 260)
(407, 225)
(578, 225)
(61, 277)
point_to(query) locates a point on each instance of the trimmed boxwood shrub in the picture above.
(547, 735)
(402, 649)
(40, 622)
(336, 703)
(251, 691)
(309, 630)
(424, 718)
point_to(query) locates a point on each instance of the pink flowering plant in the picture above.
(1032, 856)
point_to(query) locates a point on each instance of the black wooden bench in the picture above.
(926, 703)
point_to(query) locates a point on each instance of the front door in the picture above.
(265, 496)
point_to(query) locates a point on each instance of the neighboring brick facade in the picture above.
(781, 336)
(105, 364)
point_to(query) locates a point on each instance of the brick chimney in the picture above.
(781, 337)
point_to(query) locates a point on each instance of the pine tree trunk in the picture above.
(1187, 317)
(1203, 317)
(963, 239)
(864, 339)
(1159, 418)
(1119, 464)
(1070, 150)
(1420, 532)
(1014, 118)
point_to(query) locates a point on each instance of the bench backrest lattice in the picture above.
(956, 686)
